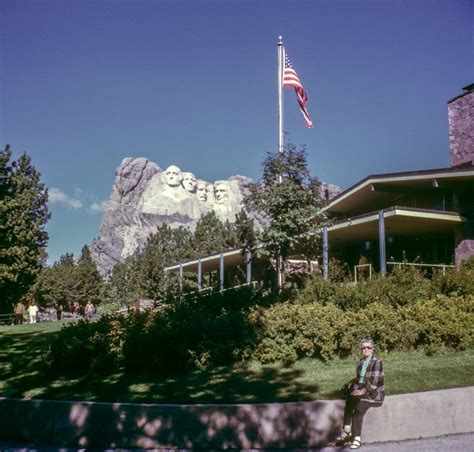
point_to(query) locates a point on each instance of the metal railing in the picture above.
(359, 268)
(416, 264)
(7, 319)
(362, 267)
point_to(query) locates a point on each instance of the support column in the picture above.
(382, 253)
(199, 274)
(221, 272)
(325, 254)
(249, 266)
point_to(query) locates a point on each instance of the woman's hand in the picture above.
(357, 393)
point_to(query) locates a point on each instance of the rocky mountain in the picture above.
(144, 197)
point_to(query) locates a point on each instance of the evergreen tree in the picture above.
(166, 246)
(23, 215)
(89, 283)
(124, 282)
(289, 199)
(57, 284)
(210, 235)
(246, 235)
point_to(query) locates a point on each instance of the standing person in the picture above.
(89, 310)
(33, 311)
(19, 312)
(75, 309)
(59, 311)
(365, 391)
(363, 269)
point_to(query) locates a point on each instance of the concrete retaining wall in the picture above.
(302, 424)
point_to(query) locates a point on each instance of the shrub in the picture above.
(85, 345)
(400, 288)
(468, 264)
(454, 282)
(292, 331)
(442, 323)
(193, 332)
(289, 332)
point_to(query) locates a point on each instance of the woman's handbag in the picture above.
(347, 389)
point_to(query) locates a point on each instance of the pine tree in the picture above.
(23, 216)
(89, 282)
(165, 246)
(57, 284)
(245, 231)
(210, 235)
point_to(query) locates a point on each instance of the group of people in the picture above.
(31, 312)
(20, 311)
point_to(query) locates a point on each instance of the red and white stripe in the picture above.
(290, 78)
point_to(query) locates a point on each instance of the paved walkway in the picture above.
(461, 443)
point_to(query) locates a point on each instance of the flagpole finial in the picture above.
(280, 40)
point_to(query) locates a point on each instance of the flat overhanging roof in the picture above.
(398, 221)
(232, 258)
(379, 189)
(405, 221)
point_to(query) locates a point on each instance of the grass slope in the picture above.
(23, 374)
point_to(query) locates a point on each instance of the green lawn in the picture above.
(23, 374)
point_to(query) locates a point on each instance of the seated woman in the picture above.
(365, 391)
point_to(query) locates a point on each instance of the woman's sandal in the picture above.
(355, 444)
(344, 437)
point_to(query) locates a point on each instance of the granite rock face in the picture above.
(144, 197)
(461, 128)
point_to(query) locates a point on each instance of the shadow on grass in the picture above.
(24, 374)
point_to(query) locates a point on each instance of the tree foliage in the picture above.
(212, 236)
(89, 282)
(67, 281)
(57, 284)
(289, 199)
(142, 275)
(165, 246)
(23, 216)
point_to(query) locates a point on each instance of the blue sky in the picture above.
(84, 84)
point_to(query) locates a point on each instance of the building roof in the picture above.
(398, 220)
(378, 189)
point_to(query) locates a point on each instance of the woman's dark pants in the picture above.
(354, 413)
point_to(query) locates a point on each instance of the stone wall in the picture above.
(461, 128)
(239, 426)
(464, 251)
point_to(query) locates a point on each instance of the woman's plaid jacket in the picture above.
(373, 386)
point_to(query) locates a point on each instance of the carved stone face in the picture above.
(173, 176)
(189, 182)
(221, 192)
(201, 191)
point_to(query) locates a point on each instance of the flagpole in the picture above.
(280, 96)
(280, 134)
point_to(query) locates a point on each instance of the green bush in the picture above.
(292, 331)
(454, 282)
(442, 322)
(221, 328)
(192, 332)
(468, 264)
(289, 332)
(400, 288)
(85, 345)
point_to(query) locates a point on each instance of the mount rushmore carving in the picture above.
(144, 197)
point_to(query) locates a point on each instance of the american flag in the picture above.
(290, 78)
